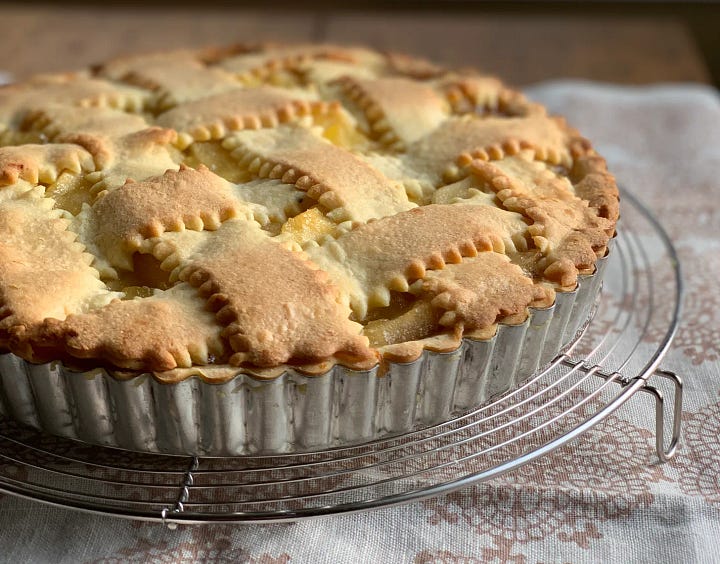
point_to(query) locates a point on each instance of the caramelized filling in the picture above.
(310, 225)
(217, 159)
(70, 192)
(418, 322)
(339, 131)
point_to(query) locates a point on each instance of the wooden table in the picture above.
(522, 49)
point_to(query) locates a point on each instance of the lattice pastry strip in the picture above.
(389, 253)
(172, 329)
(92, 128)
(117, 68)
(335, 178)
(565, 229)
(486, 95)
(123, 146)
(275, 305)
(444, 150)
(261, 66)
(179, 81)
(70, 90)
(42, 163)
(479, 291)
(398, 111)
(461, 298)
(188, 198)
(44, 272)
(413, 67)
(595, 184)
(215, 116)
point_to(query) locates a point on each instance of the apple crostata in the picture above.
(265, 206)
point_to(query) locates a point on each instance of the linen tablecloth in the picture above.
(586, 502)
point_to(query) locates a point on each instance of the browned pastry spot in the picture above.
(42, 163)
(413, 67)
(166, 333)
(276, 306)
(197, 199)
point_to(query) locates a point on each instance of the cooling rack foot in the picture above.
(666, 453)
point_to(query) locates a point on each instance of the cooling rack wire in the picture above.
(617, 355)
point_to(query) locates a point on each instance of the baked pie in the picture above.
(259, 209)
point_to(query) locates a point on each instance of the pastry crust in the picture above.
(177, 332)
(259, 206)
(347, 187)
(186, 199)
(42, 163)
(299, 318)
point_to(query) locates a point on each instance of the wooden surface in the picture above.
(522, 49)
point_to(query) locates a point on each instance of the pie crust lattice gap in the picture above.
(263, 206)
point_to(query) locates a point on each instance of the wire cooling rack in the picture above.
(617, 355)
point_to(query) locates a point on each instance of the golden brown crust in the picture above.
(269, 60)
(176, 82)
(335, 178)
(398, 110)
(170, 330)
(275, 306)
(487, 95)
(340, 182)
(413, 67)
(389, 253)
(479, 291)
(568, 232)
(70, 90)
(42, 163)
(188, 198)
(213, 117)
(596, 185)
(44, 271)
(440, 152)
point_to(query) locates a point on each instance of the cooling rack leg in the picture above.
(183, 496)
(665, 454)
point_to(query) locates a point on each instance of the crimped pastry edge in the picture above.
(293, 412)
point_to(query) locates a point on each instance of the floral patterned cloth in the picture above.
(603, 498)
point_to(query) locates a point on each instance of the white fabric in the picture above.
(663, 143)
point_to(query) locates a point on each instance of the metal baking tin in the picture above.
(293, 412)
